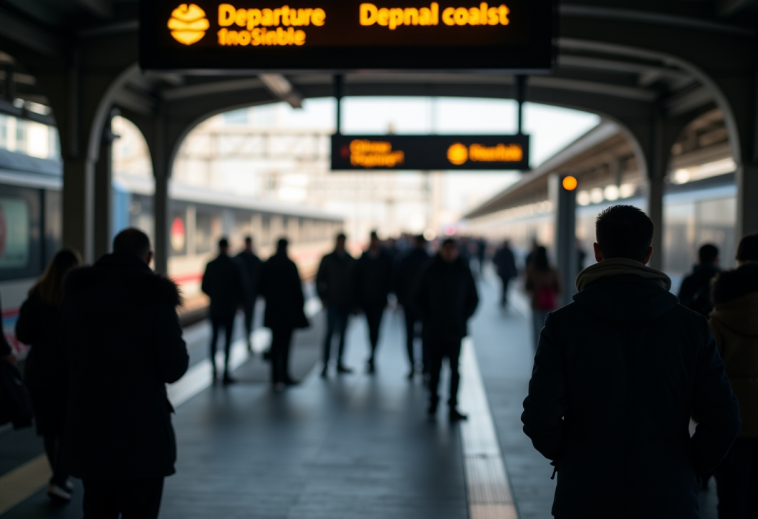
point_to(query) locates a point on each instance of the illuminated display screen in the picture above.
(344, 35)
(430, 152)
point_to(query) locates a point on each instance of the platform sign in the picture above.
(430, 152)
(347, 35)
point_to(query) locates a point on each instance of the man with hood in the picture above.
(617, 375)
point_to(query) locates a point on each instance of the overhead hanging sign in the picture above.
(347, 35)
(430, 152)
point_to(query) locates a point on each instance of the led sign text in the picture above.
(282, 22)
(371, 154)
(396, 17)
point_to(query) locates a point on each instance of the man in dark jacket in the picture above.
(223, 283)
(617, 375)
(505, 263)
(695, 292)
(250, 265)
(334, 283)
(122, 343)
(446, 298)
(373, 281)
(408, 273)
(282, 288)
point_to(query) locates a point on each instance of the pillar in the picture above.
(161, 171)
(103, 200)
(78, 205)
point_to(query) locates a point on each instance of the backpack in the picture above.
(546, 298)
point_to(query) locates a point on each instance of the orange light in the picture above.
(570, 183)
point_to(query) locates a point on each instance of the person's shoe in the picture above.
(370, 368)
(57, 493)
(341, 368)
(228, 380)
(456, 416)
(411, 374)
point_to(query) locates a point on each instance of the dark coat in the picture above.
(282, 288)
(373, 280)
(123, 343)
(695, 292)
(334, 280)
(223, 283)
(505, 262)
(407, 274)
(250, 266)
(37, 326)
(5, 348)
(616, 377)
(445, 298)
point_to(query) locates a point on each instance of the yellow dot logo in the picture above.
(188, 24)
(457, 154)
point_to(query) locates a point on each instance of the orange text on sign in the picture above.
(396, 17)
(266, 26)
(372, 154)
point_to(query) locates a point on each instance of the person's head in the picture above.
(223, 246)
(624, 231)
(420, 241)
(49, 287)
(134, 243)
(248, 243)
(540, 260)
(374, 242)
(449, 250)
(281, 246)
(340, 242)
(507, 243)
(748, 248)
(708, 254)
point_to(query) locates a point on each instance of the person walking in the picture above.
(446, 297)
(37, 326)
(735, 328)
(223, 283)
(617, 375)
(543, 284)
(250, 265)
(334, 284)
(122, 344)
(373, 281)
(408, 272)
(505, 263)
(695, 292)
(282, 288)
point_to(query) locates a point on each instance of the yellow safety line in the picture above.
(20, 483)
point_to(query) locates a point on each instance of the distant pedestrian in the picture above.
(123, 343)
(334, 283)
(250, 265)
(446, 298)
(695, 292)
(505, 264)
(6, 352)
(530, 255)
(38, 326)
(223, 283)
(373, 280)
(282, 288)
(544, 285)
(735, 328)
(481, 254)
(408, 273)
(617, 375)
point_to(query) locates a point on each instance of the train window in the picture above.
(178, 236)
(20, 240)
(207, 229)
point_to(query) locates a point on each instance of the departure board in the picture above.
(348, 35)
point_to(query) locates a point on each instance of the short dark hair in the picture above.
(624, 231)
(420, 240)
(281, 245)
(708, 253)
(223, 243)
(133, 242)
(374, 234)
(748, 248)
(449, 241)
(248, 240)
(341, 236)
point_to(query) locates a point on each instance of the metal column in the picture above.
(563, 198)
(104, 191)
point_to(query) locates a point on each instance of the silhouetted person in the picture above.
(373, 281)
(481, 253)
(251, 272)
(282, 288)
(334, 283)
(6, 352)
(544, 285)
(408, 273)
(223, 283)
(530, 255)
(505, 264)
(38, 326)
(446, 298)
(123, 344)
(695, 292)
(735, 327)
(616, 377)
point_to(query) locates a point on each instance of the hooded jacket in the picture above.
(616, 377)
(734, 324)
(122, 343)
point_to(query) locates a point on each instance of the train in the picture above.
(31, 230)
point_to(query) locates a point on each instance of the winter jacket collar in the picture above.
(619, 267)
(740, 314)
(122, 261)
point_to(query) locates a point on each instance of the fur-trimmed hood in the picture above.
(152, 286)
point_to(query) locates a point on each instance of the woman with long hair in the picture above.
(543, 284)
(37, 326)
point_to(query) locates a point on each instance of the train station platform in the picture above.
(355, 446)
